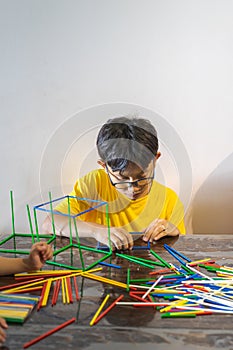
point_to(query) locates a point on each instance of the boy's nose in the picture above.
(133, 187)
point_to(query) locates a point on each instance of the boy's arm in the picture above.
(40, 252)
(120, 238)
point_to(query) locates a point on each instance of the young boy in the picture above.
(40, 252)
(128, 151)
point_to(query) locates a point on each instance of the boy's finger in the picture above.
(3, 323)
(147, 235)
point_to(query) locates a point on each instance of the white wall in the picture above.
(66, 66)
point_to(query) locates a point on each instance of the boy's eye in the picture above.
(121, 177)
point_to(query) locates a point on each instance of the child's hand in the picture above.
(3, 325)
(159, 228)
(40, 252)
(120, 238)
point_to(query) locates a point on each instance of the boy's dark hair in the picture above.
(123, 139)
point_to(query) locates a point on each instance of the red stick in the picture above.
(137, 297)
(162, 271)
(54, 299)
(41, 296)
(10, 286)
(108, 309)
(151, 299)
(56, 292)
(76, 288)
(47, 275)
(28, 290)
(36, 340)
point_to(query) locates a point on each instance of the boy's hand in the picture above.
(159, 228)
(3, 324)
(120, 238)
(40, 252)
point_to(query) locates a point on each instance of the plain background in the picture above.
(67, 66)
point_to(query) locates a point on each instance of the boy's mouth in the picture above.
(134, 195)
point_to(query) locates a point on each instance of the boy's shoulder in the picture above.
(93, 175)
(158, 187)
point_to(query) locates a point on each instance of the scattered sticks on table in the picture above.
(175, 290)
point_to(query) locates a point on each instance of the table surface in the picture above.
(127, 327)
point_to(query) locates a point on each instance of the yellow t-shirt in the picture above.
(132, 215)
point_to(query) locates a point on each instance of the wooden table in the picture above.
(129, 327)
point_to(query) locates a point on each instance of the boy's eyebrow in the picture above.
(140, 175)
(118, 177)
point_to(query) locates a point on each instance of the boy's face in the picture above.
(134, 182)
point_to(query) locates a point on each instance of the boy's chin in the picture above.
(134, 196)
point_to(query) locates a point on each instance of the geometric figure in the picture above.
(72, 219)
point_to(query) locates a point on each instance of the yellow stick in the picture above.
(173, 304)
(226, 268)
(12, 290)
(29, 290)
(47, 272)
(66, 291)
(46, 293)
(104, 280)
(198, 262)
(5, 313)
(99, 309)
(63, 291)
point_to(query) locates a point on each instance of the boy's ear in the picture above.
(158, 155)
(101, 163)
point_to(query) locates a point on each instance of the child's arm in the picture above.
(3, 325)
(40, 252)
(120, 238)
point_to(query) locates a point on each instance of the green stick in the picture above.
(134, 260)
(128, 279)
(12, 212)
(30, 224)
(160, 259)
